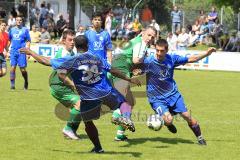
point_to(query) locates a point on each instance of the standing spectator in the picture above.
(11, 22)
(146, 16)
(34, 12)
(19, 37)
(45, 36)
(176, 15)
(156, 26)
(212, 16)
(136, 26)
(61, 25)
(43, 13)
(183, 40)
(108, 23)
(3, 46)
(50, 10)
(35, 34)
(201, 17)
(118, 13)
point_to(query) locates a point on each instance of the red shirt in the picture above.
(3, 41)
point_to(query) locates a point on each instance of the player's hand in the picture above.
(135, 81)
(211, 50)
(25, 51)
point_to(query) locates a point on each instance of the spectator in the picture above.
(2, 13)
(156, 26)
(146, 16)
(35, 35)
(176, 15)
(217, 32)
(50, 10)
(45, 36)
(212, 16)
(43, 13)
(80, 31)
(118, 13)
(182, 40)
(11, 22)
(108, 22)
(201, 17)
(61, 25)
(232, 43)
(204, 31)
(196, 27)
(136, 26)
(172, 41)
(34, 15)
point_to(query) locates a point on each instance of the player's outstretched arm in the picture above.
(66, 80)
(195, 58)
(41, 59)
(115, 72)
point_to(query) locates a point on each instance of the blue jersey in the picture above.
(99, 42)
(18, 37)
(160, 83)
(88, 73)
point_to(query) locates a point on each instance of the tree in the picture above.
(234, 4)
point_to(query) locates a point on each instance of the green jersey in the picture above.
(123, 61)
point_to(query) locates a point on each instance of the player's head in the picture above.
(149, 34)
(81, 43)
(3, 25)
(68, 37)
(97, 20)
(19, 20)
(161, 49)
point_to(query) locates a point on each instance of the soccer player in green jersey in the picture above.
(131, 53)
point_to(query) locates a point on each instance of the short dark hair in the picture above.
(67, 32)
(81, 42)
(97, 14)
(162, 42)
(152, 28)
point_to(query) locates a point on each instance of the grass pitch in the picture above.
(30, 130)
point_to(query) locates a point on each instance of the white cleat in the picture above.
(70, 134)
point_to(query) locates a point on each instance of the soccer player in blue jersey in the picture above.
(162, 90)
(19, 37)
(99, 40)
(88, 74)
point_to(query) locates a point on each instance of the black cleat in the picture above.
(201, 141)
(172, 128)
(25, 86)
(95, 150)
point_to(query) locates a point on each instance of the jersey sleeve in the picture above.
(64, 63)
(106, 66)
(179, 60)
(10, 34)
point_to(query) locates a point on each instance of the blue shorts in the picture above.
(92, 109)
(18, 59)
(161, 107)
(3, 63)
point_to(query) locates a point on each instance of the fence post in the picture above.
(238, 21)
(221, 15)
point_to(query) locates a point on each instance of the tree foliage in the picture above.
(234, 4)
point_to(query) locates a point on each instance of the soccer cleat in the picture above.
(201, 141)
(172, 128)
(97, 150)
(70, 134)
(12, 87)
(25, 86)
(121, 138)
(124, 122)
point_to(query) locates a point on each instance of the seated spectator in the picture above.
(193, 39)
(80, 31)
(217, 32)
(182, 40)
(35, 34)
(223, 40)
(204, 31)
(232, 43)
(172, 41)
(136, 26)
(61, 25)
(196, 27)
(45, 36)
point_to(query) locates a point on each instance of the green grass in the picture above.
(30, 130)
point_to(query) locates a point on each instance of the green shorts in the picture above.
(68, 99)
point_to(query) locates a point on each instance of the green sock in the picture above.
(120, 132)
(74, 120)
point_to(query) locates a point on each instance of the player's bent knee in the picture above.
(168, 119)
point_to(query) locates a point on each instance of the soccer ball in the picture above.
(155, 122)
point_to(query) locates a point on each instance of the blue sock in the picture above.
(12, 78)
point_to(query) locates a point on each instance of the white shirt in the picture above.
(183, 39)
(172, 43)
